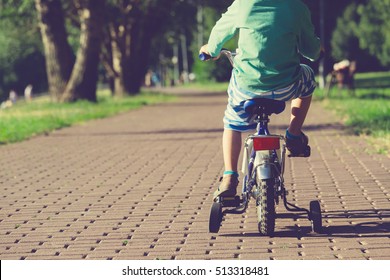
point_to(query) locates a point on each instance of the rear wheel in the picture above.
(265, 206)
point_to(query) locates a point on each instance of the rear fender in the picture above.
(262, 165)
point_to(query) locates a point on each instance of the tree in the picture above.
(345, 41)
(117, 42)
(374, 29)
(21, 58)
(219, 70)
(69, 78)
(132, 28)
(171, 54)
(333, 10)
(83, 81)
(58, 53)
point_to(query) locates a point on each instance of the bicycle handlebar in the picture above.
(204, 56)
(230, 55)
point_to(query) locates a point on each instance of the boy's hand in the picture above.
(205, 50)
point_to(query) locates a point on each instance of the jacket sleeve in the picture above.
(224, 29)
(309, 43)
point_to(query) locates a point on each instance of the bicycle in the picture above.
(263, 168)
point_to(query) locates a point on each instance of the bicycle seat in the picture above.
(264, 105)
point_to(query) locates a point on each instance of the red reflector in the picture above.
(263, 143)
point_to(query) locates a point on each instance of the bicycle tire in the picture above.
(215, 217)
(265, 207)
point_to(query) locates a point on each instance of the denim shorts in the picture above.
(237, 119)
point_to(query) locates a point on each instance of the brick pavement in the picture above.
(139, 186)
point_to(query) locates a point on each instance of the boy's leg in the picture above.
(299, 109)
(296, 141)
(231, 144)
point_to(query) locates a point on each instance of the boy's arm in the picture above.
(309, 43)
(224, 29)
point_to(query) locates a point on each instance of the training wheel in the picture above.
(315, 216)
(215, 217)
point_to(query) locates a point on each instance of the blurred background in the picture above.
(54, 46)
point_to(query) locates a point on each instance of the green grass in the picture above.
(24, 120)
(367, 112)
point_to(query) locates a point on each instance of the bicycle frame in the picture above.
(263, 162)
(267, 163)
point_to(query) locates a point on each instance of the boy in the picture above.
(272, 36)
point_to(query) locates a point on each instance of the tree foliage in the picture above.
(151, 34)
(21, 59)
(360, 36)
(344, 41)
(217, 70)
(374, 29)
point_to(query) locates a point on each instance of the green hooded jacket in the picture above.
(273, 34)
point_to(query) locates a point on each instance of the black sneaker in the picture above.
(298, 147)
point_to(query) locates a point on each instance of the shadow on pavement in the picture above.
(365, 229)
(155, 132)
(200, 94)
(370, 229)
(317, 127)
(190, 104)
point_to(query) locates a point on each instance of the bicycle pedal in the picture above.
(305, 153)
(230, 201)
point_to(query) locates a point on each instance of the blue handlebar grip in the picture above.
(204, 56)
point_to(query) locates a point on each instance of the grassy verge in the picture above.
(367, 112)
(41, 116)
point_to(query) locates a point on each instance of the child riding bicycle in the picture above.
(273, 34)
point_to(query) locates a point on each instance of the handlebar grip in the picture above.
(204, 56)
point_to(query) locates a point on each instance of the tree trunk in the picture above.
(107, 60)
(131, 36)
(58, 53)
(137, 62)
(118, 53)
(84, 78)
(127, 52)
(142, 32)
